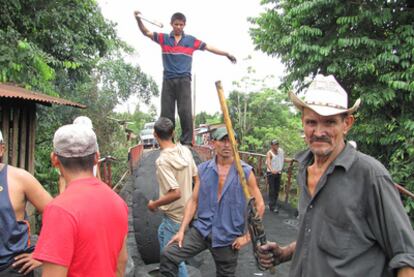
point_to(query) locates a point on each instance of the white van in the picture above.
(147, 135)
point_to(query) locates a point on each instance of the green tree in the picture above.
(267, 116)
(67, 49)
(205, 118)
(367, 46)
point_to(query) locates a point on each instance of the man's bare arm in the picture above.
(54, 270)
(122, 260)
(142, 27)
(171, 196)
(406, 272)
(260, 206)
(191, 206)
(269, 161)
(255, 192)
(216, 51)
(33, 190)
(189, 212)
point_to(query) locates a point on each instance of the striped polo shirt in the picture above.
(177, 58)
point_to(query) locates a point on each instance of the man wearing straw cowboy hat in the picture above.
(351, 219)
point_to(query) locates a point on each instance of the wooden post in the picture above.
(5, 131)
(15, 137)
(32, 139)
(23, 140)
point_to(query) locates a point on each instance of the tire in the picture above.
(146, 222)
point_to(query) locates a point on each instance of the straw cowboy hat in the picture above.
(325, 97)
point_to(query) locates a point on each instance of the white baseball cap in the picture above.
(83, 120)
(74, 140)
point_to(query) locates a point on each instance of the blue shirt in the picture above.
(224, 219)
(14, 235)
(177, 58)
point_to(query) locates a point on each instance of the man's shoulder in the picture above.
(189, 36)
(66, 201)
(18, 172)
(206, 163)
(20, 176)
(245, 164)
(366, 162)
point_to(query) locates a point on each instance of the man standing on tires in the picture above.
(177, 57)
(275, 159)
(176, 171)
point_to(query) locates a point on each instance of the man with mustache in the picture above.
(220, 205)
(351, 219)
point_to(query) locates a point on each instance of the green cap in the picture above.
(220, 133)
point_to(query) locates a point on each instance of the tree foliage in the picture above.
(368, 46)
(68, 49)
(39, 38)
(259, 117)
(205, 118)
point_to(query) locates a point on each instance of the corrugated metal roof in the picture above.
(13, 91)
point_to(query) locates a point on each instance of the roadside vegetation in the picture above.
(68, 49)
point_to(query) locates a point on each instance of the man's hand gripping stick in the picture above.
(152, 21)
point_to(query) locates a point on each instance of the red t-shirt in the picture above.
(84, 229)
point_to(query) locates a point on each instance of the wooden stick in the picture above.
(232, 139)
(237, 161)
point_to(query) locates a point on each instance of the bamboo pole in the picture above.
(232, 139)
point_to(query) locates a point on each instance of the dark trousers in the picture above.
(178, 90)
(274, 187)
(225, 258)
(11, 272)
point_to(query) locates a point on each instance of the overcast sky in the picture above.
(222, 24)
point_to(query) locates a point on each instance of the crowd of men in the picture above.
(351, 219)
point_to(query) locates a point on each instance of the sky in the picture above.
(222, 24)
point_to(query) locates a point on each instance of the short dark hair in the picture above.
(78, 163)
(178, 16)
(164, 128)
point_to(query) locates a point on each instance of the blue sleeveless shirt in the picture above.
(224, 219)
(14, 235)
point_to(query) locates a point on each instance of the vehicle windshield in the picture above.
(146, 132)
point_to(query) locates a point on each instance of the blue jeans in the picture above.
(168, 228)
